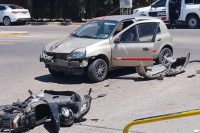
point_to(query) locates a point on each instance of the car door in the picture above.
(134, 45)
(160, 9)
(2, 9)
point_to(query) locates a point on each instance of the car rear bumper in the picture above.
(23, 20)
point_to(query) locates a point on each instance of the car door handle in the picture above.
(159, 39)
(145, 49)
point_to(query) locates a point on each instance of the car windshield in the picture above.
(97, 29)
(15, 7)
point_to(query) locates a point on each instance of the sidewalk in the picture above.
(55, 23)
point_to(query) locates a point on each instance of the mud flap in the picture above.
(177, 65)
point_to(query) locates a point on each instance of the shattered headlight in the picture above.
(44, 50)
(77, 54)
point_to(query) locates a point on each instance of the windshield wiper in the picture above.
(85, 36)
(75, 35)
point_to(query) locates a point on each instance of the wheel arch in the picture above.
(100, 56)
(191, 14)
(168, 46)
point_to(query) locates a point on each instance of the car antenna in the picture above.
(113, 11)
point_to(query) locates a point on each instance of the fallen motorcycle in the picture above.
(61, 107)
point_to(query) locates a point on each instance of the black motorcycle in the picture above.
(61, 107)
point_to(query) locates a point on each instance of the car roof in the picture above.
(125, 17)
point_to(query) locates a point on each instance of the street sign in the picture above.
(125, 3)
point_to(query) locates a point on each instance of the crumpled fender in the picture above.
(177, 65)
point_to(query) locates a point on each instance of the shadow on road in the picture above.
(74, 79)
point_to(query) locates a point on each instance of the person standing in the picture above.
(174, 13)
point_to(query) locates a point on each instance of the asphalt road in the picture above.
(129, 96)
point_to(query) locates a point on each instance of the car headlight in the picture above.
(78, 53)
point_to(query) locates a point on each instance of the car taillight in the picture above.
(15, 12)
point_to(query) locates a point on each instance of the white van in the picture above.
(190, 11)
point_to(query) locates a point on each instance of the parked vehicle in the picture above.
(62, 107)
(10, 13)
(109, 42)
(189, 11)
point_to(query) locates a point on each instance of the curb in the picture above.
(13, 33)
(48, 23)
(53, 23)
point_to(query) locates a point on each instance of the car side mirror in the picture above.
(117, 40)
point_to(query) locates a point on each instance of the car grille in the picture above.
(153, 14)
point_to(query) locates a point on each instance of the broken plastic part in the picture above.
(176, 66)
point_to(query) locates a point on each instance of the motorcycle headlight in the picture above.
(65, 112)
(78, 53)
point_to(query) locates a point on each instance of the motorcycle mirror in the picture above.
(99, 96)
(102, 95)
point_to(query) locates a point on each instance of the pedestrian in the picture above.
(174, 13)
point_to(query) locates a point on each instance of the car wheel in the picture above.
(56, 73)
(6, 21)
(97, 70)
(192, 22)
(165, 52)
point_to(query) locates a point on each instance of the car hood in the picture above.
(69, 44)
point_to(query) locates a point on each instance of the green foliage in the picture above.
(74, 9)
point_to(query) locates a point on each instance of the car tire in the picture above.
(6, 21)
(56, 73)
(97, 70)
(193, 22)
(165, 52)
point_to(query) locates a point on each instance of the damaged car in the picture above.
(105, 43)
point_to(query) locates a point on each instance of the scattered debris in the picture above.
(106, 85)
(198, 72)
(176, 66)
(196, 131)
(191, 76)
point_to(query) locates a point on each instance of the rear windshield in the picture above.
(15, 7)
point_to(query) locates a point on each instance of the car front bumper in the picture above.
(75, 67)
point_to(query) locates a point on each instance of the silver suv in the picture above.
(109, 42)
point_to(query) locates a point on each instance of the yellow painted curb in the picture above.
(14, 33)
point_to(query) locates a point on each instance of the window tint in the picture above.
(196, 1)
(2, 8)
(160, 3)
(146, 31)
(130, 35)
(122, 26)
(189, 1)
(15, 7)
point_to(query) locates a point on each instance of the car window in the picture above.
(146, 31)
(2, 8)
(99, 29)
(15, 7)
(196, 1)
(122, 26)
(159, 3)
(129, 36)
(189, 1)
